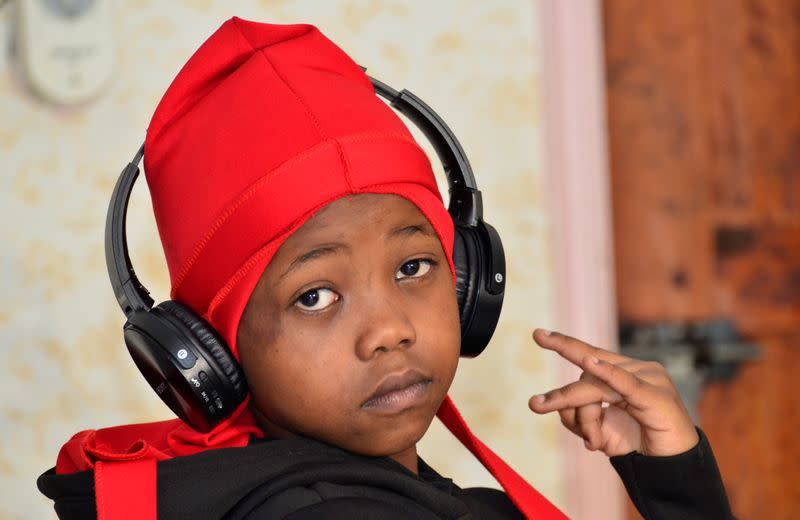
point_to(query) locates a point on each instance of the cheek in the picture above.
(288, 370)
(290, 377)
(440, 332)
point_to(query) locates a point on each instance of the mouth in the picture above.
(398, 392)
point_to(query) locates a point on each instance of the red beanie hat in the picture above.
(263, 126)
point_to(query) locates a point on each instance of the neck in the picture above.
(408, 458)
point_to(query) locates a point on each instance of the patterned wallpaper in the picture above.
(66, 367)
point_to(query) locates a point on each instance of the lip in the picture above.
(398, 392)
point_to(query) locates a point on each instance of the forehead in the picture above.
(361, 212)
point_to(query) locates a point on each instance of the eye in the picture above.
(414, 268)
(316, 299)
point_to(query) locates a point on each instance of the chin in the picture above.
(389, 439)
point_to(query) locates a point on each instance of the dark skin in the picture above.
(363, 290)
(619, 404)
(344, 303)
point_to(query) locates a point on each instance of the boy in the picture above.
(302, 221)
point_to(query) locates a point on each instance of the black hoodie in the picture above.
(303, 478)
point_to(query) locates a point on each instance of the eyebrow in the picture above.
(407, 231)
(330, 249)
(317, 252)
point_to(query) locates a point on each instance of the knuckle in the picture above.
(655, 366)
(553, 396)
(567, 417)
(597, 351)
(593, 381)
(591, 413)
(664, 380)
(561, 393)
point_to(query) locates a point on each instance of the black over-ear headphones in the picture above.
(188, 364)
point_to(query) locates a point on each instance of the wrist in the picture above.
(668, 444)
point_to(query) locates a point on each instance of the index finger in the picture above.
(572, 349)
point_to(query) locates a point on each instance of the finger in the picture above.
(649, 371)
(631, 388)
(568, 419)
(574, 350)
(573, 395)
(589, 419)
(567, 415)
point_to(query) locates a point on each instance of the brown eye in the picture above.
(316, 299)
(414, 269)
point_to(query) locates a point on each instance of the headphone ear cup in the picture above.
(213, 345)
(464, 262)
(479, 263)
(186, 363)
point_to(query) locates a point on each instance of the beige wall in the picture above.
(66, 368)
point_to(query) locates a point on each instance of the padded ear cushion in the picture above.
(478, 258)
(465, 261)
(212, 344)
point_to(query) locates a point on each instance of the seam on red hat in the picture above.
(179, 110)
(322, 133)
(256, 257)
(345, 165)
(371, 136)
(240, 199)
(259, 183)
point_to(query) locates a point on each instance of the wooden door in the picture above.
(704, 129)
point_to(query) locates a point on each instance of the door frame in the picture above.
(578, 206)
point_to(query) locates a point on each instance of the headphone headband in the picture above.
(466, 204)
(131, 294)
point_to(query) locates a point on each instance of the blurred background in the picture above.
(641, 160)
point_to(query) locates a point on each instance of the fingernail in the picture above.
(595, 360)
(547, 332)
(587, 444)
(540, 398)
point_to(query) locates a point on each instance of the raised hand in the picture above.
(619, 404)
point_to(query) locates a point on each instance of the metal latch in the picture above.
(692, 353)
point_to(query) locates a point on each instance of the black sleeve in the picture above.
(686, 486)
(72, 494)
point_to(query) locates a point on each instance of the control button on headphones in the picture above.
(185, 358)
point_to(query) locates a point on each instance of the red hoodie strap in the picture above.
(523, 495)
(125, 490)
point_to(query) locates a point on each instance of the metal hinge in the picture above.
(692, 353)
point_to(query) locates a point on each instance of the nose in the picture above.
(384, 326)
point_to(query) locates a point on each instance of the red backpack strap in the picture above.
(529, 501)
(125, 490)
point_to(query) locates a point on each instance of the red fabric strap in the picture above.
(525, 497)
(125, 490)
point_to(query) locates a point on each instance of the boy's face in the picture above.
(352, 334)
